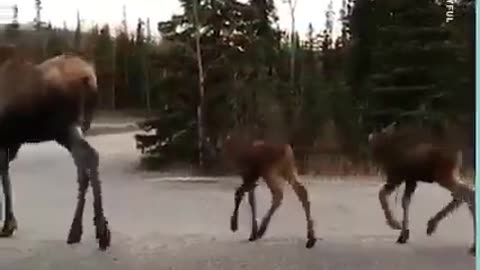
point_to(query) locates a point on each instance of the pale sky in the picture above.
(110, 11)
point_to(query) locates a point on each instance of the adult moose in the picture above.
(406, 159)
(51, 101)
(275, 163)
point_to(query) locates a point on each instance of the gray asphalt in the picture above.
(159, 223)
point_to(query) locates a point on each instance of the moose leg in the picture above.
(247, 185)
(410, 187)
(253, 210)
(275, 185)
(238, 199)
(86, 160)
(302, 195)
(76, 229)
(443, 213)
(471, 207)
(383, 194)
(10, 223)
(467, 194)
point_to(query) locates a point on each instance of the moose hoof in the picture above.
(233, 224)
(403, 238)
(472, 250)
(311, 242)
(104, 238)
(254, 232)
(103, 234)
(75, 235)
(261, 232)
(431, 227)
(252, 237)
(9, 228)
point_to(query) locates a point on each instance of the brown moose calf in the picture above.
(275, 163)
(405, 160)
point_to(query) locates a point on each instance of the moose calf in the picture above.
(404, 160)
(275, 163)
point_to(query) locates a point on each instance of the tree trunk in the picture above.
(147, 84)
(201, 89)
(295, 113)
(293, 44)
(114, 72)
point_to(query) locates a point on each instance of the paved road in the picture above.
(161, 224)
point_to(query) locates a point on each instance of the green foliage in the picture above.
(246, 63)
(104, 63)
(407, 61)
(56, 43)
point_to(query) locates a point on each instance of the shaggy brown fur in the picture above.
(407, 160)
(46, 102)
(24, 85)
(70, 72)
(6, 51)
(275, 163)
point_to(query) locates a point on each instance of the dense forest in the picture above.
(224, 65)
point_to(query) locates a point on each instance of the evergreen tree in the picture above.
(12, 31)
(38, 15)
(78, 33)
(104, 63)
(235, 56)
(411, 74)
(123, 51)
(406, 63)
(56, 43)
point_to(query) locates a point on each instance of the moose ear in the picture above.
(390, 128)
(370, 137)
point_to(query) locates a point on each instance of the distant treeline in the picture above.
(394, 61)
